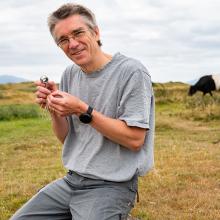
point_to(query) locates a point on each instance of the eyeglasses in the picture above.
(77, 35)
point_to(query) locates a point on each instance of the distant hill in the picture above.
(192, 82)
(11, 79)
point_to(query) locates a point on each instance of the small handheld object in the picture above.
(44, 79)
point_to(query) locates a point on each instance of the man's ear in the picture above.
(97, 33)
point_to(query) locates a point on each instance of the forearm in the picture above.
(60, 126)
(118, 131)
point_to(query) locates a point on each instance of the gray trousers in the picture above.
(80, 198)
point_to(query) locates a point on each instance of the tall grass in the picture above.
(196, 108)
(18, 111)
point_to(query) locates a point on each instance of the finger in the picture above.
(43, 90)
(49, 97)
(58, 94)
(60, 110)
(52, 85)
(54, 106)
(55, 109)
(40, 100)
(57, 100)
(41, 95)
(39, 83)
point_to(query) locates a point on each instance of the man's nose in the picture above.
(73, 43)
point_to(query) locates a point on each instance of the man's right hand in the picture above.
(43, 90)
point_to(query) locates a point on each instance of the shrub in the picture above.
(17, 111)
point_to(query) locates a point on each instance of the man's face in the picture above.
(77, 40)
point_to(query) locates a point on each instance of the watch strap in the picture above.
(89, 110)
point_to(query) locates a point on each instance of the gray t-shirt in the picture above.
(121, 90)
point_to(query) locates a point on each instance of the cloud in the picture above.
(176, 40)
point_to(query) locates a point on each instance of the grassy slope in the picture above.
(183, 185)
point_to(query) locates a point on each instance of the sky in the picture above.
(175, 40)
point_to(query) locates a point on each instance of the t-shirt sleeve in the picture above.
(63, 86)
(135, 102)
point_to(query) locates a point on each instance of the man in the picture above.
(104, 116)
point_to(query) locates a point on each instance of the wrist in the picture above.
(86, 117)
(83, 107)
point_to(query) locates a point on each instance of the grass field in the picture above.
(184, 185)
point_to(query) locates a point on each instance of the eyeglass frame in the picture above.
(76, 34)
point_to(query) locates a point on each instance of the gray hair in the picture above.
(68, 10)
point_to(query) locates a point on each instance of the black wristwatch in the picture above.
(86, 117)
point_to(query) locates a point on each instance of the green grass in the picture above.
(29, 159)
(184, 185)
(17, 111)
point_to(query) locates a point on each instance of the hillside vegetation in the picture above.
(184, 185)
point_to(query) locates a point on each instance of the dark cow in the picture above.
(206, 84)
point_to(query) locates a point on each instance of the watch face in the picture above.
(85, 118)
